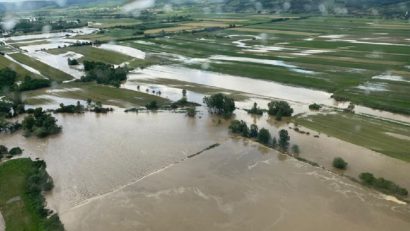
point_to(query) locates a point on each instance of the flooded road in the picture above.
(110, 173)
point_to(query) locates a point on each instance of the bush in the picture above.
(279, 109)
(220, 104)
(254, 131)
(152, 106)
(72, 62)
(284, 139)
(191, 112)
(295, 149)
(315, 107)
(264, 136)
(339, 163)
(274, 142)
(15, 151)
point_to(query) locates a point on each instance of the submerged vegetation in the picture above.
(383, 185)
(220, 104)
(263, 136)
(255, 110)
(40, 124)
(279, 109)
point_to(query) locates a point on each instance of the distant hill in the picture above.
(388, 8)
(361, 7)
(41, 4)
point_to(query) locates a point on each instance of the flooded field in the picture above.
(163, 170)
(101, 178)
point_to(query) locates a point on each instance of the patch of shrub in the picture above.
(153, 105)
(279, 109)
(339, 163)
(383, 185)
(15, 151)
(255, 110)
(315, 107)
(220, 104)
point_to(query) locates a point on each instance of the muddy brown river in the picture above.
(131, 172)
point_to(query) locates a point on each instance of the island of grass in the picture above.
(22, 204)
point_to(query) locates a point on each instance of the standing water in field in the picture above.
(236, 83)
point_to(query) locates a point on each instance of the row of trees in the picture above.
(263, 135)
(224, 105)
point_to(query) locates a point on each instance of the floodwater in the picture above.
(111, 174)
(123, 50)
(236, 83)
(278, 63)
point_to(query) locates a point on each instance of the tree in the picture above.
(15, 151)
(3, 150)
(239, 127)
(339, 163)
(72, 62)
(255, 110)
(7, 78)
(295, 150)
(284, 139)
(253, 133)
(264, 136)
(191, 111)
(274, 142)
(220, 104)
(279, 109)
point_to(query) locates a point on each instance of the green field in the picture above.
(385, 137)
(46, 70)
(21, 72)
(105, 94)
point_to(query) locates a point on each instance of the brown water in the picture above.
(130, 172)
